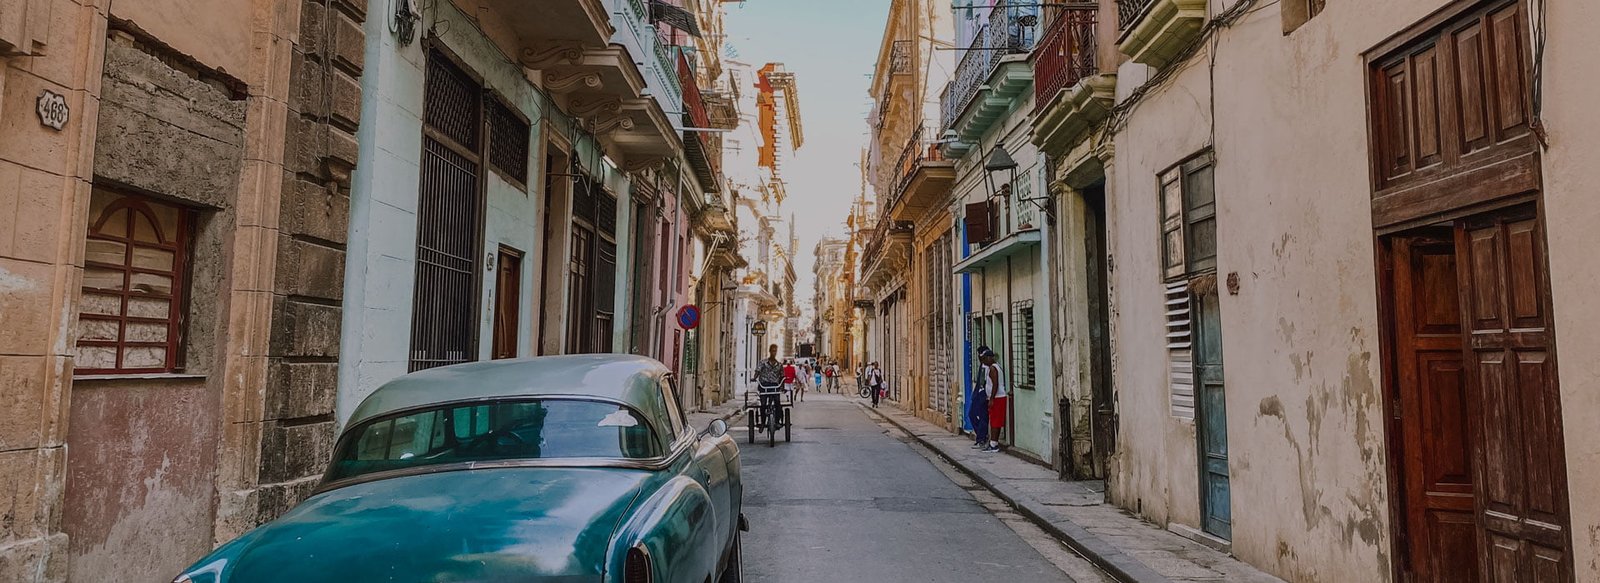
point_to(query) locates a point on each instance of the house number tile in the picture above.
(53, 110)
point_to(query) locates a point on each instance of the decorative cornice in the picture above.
(549, 54)
(591, 107)
(565, 82)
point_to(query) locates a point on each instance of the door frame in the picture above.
(502, 255)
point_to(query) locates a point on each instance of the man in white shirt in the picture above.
(993, 380)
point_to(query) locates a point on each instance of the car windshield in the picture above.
(495, 430)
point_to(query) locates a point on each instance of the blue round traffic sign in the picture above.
(689, 317)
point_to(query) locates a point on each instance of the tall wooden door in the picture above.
(1430, 410)
(1520, 460)
(1215, 497)
(507, 303)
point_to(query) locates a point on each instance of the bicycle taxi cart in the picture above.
(758, 416)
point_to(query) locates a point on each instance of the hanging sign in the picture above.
(759, 328)
(689, 317)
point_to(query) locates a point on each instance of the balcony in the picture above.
(1155, 31)
(923, 178)
(989, 79)
(1070, 96)
(887, 254)
(558, 30)
(698, 147)
(1065, 54)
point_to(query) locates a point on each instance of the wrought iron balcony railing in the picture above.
(919, 149)
(1129, 11)
(900, 57)
(1009, 31)
(1065, 54)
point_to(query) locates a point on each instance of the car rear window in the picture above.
(495, 430)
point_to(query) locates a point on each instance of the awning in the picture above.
(999, 250)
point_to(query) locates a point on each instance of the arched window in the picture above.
(133, 280)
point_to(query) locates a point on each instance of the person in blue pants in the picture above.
(978, 413)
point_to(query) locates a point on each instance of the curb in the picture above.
(1099, 552)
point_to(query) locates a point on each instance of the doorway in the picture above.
(507, 303)
(1102, 400)
(1216, 502)
(1472, 401)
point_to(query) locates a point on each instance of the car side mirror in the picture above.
(718, 428)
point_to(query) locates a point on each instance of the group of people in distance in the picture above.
(986, 410)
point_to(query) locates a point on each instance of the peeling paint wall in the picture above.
(140, 496)
(1572, 209)
(1300, 339)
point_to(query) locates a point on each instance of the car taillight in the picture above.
(637, 567)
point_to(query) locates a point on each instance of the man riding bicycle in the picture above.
(769, 384)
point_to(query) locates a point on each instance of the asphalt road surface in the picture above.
(852, 500)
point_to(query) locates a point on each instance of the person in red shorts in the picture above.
(999, 397)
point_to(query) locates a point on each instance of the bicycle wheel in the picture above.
(772, 430)
(751, 419)
(788, 425)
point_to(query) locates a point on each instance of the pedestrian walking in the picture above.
(833, 377)
(791, 375)
(995, 385)
(816, 376)
(875, 383)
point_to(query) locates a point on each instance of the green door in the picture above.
(1216, 508)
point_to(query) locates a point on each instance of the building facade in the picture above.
(176, 179)
(1369, 211)
(257, 211)
(905, 283)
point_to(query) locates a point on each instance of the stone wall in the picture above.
(291, 434)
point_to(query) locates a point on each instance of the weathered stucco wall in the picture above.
(1306, 436)
(1154, 471)
(140, 489)
(140, 497)
(1572, 209)
(212, 32)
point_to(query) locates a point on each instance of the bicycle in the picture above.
(770, 414)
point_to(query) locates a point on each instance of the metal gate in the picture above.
(449, 216)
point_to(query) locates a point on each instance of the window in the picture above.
(135, 256)
(1188, 218)
(1024, 369)
(508, 140)
(674, 405)
(497, 430)
(1298, 12)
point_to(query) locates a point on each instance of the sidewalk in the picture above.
(726, 412)
(1128, 548)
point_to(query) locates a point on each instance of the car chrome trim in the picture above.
(649, 572)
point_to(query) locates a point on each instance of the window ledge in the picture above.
(139, 377)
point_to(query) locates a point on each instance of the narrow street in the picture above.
(850, 499)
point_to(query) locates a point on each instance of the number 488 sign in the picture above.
(53, 110)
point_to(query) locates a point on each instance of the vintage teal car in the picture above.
(564, 468)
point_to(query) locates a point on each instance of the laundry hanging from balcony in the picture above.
(675, 17)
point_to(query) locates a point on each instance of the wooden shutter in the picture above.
(1180, 358)
(979, 222)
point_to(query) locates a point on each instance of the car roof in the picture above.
(623, 377)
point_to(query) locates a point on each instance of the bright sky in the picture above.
(830, 46)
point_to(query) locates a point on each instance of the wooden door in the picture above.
(1430, 410)
(507, 303)
(1520, 459)
(1216, 504)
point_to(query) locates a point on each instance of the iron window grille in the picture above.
(134, 278)
(444, 319)
(1023, 366)
(508, 140)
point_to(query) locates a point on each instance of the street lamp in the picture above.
(1000, 160)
